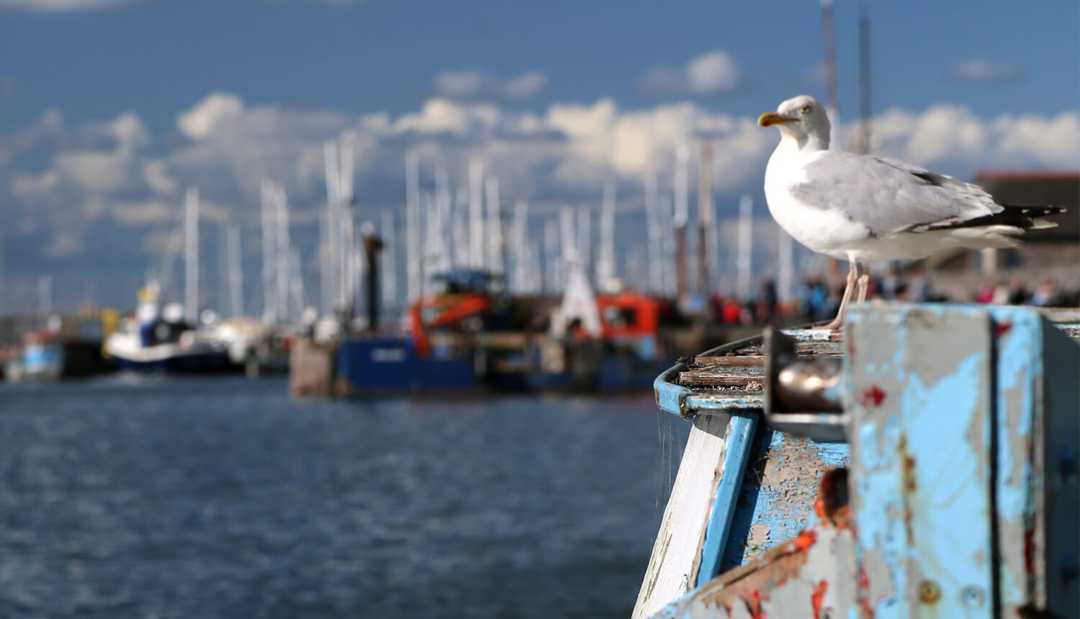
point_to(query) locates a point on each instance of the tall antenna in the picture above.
(830, 68)
(865, 108)
(191, 255)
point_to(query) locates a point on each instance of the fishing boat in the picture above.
(613, 341)
(923, 463)
(158, 339)
(464, 336)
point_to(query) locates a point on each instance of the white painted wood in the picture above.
(676, 552)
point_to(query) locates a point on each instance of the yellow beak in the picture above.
(769, 119)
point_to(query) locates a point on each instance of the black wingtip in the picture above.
(1035, 211)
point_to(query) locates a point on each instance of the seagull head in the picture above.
(801, 118)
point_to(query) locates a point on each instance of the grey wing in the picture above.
(889, 196)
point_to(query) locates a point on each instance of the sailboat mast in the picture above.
(269, 244)
(494, 226)
(682, 215)
(412, 226)
(653, 236)
(235, 270)
(606, 265)
(746, 247)
(706, 230)
(191, 255)
(281, 253)
(333, 227)
(476, 215)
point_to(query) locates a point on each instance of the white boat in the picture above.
(160, 340)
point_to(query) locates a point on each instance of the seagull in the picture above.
(863, 208)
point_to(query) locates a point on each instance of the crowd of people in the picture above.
(817, 298)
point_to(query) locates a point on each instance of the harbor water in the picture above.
(225, 498)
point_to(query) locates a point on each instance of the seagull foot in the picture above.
(834, 326)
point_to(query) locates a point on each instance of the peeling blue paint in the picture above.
(669, 395)
(737, 451)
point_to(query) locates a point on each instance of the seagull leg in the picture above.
(852, 276)
(864, 286)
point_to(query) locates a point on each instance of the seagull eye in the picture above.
(805, 109)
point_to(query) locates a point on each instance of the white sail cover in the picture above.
(579, 303)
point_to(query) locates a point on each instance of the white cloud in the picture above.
(952, 135)
(213, 110)
(471, 84)
(69, 184)
(95, 171)
(710, 73)
(983, 70)
(58, 6)
(525, 85)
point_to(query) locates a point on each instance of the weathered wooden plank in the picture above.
(693, 378)
(703, 361)
(919, 382)
(734, 376)
(676, 552)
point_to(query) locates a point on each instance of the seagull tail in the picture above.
(997, 236)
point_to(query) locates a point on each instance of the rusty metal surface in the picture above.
(812, 574)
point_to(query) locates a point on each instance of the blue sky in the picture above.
(110, 109)
(161, 57)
